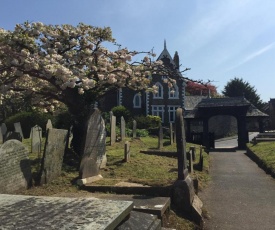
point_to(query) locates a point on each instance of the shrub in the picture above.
(28, 120)
(120, 111)
(147, 122)
(63, 120)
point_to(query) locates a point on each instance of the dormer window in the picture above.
(137, 101)
(159, 93)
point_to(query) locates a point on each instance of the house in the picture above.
(164, 103)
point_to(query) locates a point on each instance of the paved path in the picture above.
(240, 196)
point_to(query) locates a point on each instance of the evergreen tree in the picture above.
(238, 87)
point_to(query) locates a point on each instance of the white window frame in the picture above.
(174, 95)
(172, 111)
(158, 110)
(159, 94)
(137, 97)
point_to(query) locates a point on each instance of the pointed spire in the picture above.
(176, 59)
(165, 44)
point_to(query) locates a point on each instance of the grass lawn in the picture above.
(142, 168)
(266, 152)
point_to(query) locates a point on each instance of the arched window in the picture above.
(173, 92)
(137, 101)
(159, 94)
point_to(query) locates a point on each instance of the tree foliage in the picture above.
(237, 87)
(195, 88)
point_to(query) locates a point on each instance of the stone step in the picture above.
(147, 204)
(140, 221)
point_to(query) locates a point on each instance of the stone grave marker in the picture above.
(49, 124)
(171, 133)
(94, 146)
(134, 129)
(193, 152)
(4, 129)
(181, 145)
(122, 128)
(53, 155)
(113, 128)
(15, 168)
(12, 136)
(127, 151)
(191, 162)
(18, 129)
(1, 137)
(36, 139)
(160, 137)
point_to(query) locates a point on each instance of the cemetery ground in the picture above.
(151, 170)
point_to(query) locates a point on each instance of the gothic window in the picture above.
(137, 101)
(159, 94)
(172, 113)
(158, 110)
(173, 92)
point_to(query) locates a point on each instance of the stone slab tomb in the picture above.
(94, 146)
(36, 212)
(53, 155)
(15, 168)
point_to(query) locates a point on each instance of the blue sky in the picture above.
(217, 39)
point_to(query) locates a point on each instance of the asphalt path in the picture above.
(240, 195)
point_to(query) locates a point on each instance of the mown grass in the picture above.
(266, 152)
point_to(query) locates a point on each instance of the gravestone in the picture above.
(18, 129)
(49, 124)
(113, 128)
(12, 136)
(4, 129)
(94, 146)
(134, 129)
(1, 137)
(126, 151)
(171, 133)
(160, 137)
(15, 168)
(122, 128)
(36, 139)
(191, 162)
(193, 152)
(181, 145)
(53, 155)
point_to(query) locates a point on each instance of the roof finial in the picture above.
(164, 44)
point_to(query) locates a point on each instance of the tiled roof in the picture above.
(190, 102)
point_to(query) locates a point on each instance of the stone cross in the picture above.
(122, 128)
(181, 145)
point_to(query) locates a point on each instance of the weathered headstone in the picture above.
(15, 168)
(134, 129)
(53, 155)
(12, 136)
(122, 128)
(4, 129)
(112, 128)
(191, 162)
(171, 133)
(160, 137)
(193, 152)
(1, 137)
(18, 129)
(94, 146)
(126, 151)
(36, 139)
(181, 145)
(49, 124)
